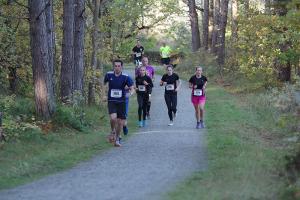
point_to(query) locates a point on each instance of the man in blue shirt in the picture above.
(116, 99)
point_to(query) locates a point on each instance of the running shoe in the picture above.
(144, 123)
(202, 124)
(140, 124)
(117, 143)
(125, 130)
(198, 126)
(171, 123)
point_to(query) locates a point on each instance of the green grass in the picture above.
(39, 155)
(244, 159)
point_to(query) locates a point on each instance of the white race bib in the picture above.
(142, 88)
(198, 92)
(116, 93)
(138, 54)
(170, 87)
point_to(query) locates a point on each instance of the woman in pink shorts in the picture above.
(197, 84)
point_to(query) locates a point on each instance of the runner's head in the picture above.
(138, 43)
(145, 61)
(117, 66)
(169, 70)
(198, 71)
(142, 70)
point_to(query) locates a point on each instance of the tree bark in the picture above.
(223, 23)
(205, 24)
(215, 32)
(67, 64)
(91, 93)
(234, 22)
(211, 21)
(42, 71)
(194, 25)
(51, 42)
(78, 79)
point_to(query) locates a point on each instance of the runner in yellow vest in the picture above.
(165, 52)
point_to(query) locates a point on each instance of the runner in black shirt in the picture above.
(138, 52)
(172, 84)
(198, 83)
(143, 85)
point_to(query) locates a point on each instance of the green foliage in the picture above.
(263, 41)
(18, 117)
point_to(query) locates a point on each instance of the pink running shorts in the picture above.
(196, 100)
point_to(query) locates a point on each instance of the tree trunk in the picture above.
(51, 43)
(246, 6)
(215, 33)
(211, 21)
(91, 93)
(42, 71)
(12, 77)
(268, 7)
(223, 23)
(79, 46)
(2, 135)
(234, 22)
(205, 23)
(194, 25)
(67, 63)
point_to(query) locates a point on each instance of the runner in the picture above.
(198, 84)
(116, 99)
(150, 72)
(172, 85)
(143, 85)
(138, 52)
(165, 52)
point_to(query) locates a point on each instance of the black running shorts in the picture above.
(117, 107)
(165, 61)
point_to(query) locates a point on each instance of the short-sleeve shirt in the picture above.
(116, 86)
(142, 88)
(165, 51)
(198, 81)
(139, 52)
(171, 83)
(150, 71)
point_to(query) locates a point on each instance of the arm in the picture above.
(178, 83)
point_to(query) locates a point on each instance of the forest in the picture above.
(55, 53)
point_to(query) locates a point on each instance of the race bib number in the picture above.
(138, 54)
(116, 93)
(170, 87)
(198, 92)
(142, 88)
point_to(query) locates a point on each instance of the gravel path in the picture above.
(148, 165)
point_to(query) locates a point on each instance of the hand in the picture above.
(145, 83)
(195, 86)
(176, 90)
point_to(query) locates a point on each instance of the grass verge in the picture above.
(245, 161)
(39, 155)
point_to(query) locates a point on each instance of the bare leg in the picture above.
(201, 109)
(197, 112)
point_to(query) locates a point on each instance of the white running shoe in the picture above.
(171, 123)
(117, 143)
